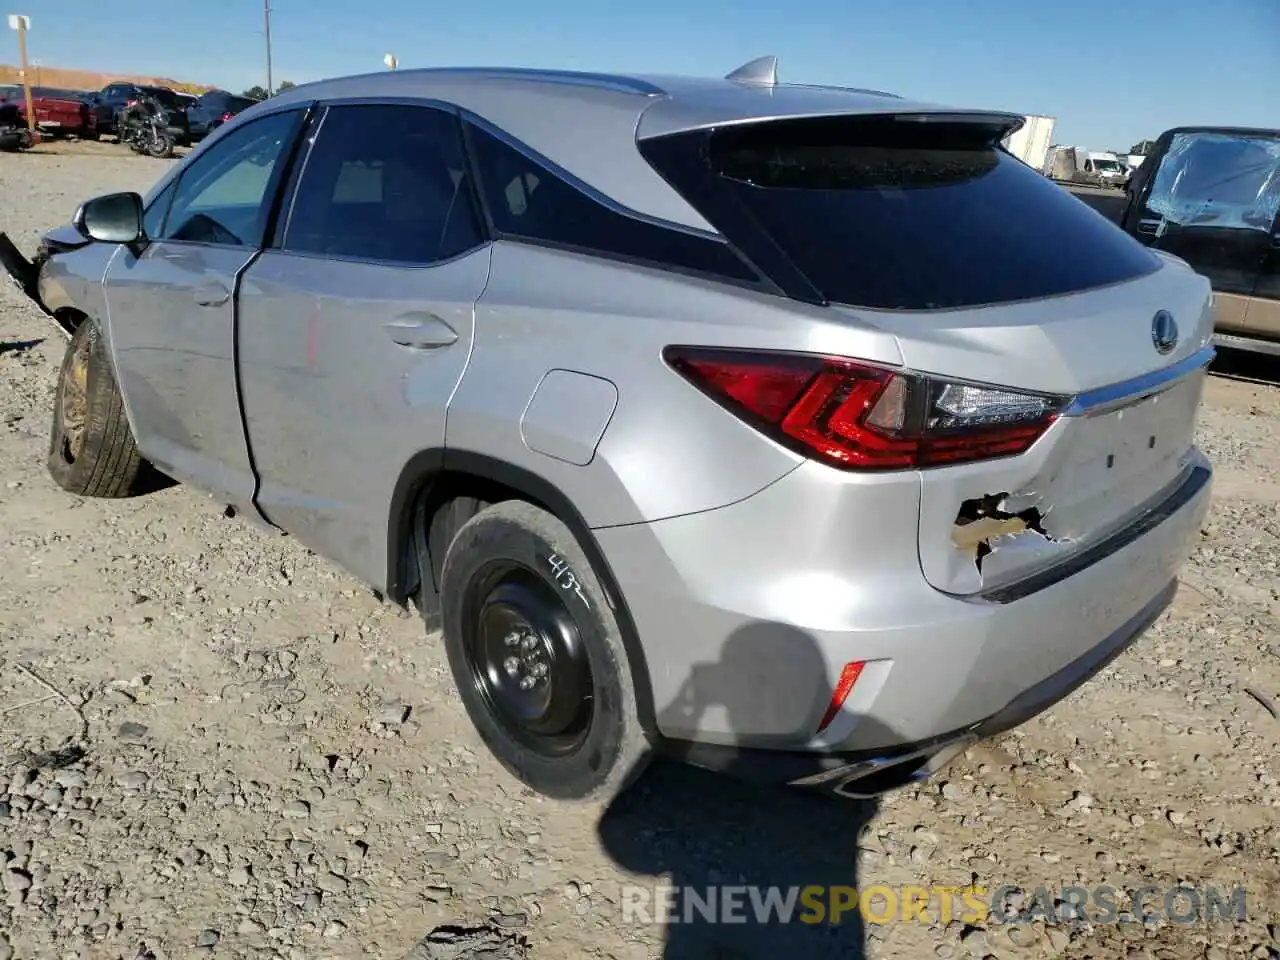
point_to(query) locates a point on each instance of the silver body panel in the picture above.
(296, 398)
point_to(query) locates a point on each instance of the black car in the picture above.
(113, 98)
(1211, 195)
(214, 109)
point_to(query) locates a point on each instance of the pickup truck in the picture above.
(1211, 196)
(59, 113)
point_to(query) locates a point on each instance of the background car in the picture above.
(215, 108)
(113, 98)
(59, 113)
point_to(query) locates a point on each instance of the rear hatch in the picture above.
(1022, 316)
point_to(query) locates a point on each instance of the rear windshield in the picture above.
(899, 214)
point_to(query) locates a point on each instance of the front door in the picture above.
(356, 326)
(1212, 201)
(172, 309)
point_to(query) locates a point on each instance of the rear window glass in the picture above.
(1230, 181)
(907, 215)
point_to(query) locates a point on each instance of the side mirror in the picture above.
(114, 218)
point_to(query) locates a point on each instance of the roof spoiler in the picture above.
(761, 72)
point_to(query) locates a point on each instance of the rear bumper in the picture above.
(869, 773)
(748, 614)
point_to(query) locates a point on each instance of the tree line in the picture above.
(259, 92)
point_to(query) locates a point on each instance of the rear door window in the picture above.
(897, 214)
(385, 182)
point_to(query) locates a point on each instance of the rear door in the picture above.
(1212, 200)
(172, 309)
(356, 326)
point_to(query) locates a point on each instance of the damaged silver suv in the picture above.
(767, 425)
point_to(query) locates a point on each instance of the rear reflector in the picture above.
(863, 417)
(848, 677)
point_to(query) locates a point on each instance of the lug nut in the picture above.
(511, 665)
(512, 639)
(529, 642)
(526, 683)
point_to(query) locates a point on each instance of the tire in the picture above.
(160, 147)
(91, 448)
(513, 556)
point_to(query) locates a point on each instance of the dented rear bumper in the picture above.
(749, 613)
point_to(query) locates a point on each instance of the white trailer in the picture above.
(1031, 143)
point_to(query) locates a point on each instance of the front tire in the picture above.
(91, 448)
(538, 657)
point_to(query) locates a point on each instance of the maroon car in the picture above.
(59, 113)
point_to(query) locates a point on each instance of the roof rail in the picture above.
(762, 71)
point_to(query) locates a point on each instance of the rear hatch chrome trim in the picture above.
(1132, 391)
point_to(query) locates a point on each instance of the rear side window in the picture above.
(897, 214)
(528, 200)
(385, 182)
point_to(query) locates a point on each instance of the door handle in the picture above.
(212, 294)
(422, 330)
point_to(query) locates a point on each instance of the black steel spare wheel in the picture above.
(535, 649)
(528, 660)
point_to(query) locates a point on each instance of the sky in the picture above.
(1112, 72)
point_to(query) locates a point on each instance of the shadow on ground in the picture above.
(705, 833)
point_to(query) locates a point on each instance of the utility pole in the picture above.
(266, 29)
(19, 22)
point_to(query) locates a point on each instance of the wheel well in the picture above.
(69, 318)
(434, 479)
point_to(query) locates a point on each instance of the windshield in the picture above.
(1108, 166)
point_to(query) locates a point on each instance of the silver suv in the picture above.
(796, 431)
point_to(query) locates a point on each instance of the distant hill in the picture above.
(68, 79)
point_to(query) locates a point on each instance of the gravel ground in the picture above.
(249, 755)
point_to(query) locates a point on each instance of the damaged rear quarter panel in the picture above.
(989, 524)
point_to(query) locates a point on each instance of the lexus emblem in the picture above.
(1164, 332)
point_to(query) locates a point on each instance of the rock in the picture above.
(130, 732)
(207, 938)
(137, 780)
(296, 810)
(238, 876)
(334, 928)
(952, 791)
(16, 881)
(394, 714)
(68, 778)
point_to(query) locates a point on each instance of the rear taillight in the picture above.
(863, 417)
(225, 117)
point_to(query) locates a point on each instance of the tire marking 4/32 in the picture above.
(565, 578)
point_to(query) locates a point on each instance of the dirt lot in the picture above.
(275, 764)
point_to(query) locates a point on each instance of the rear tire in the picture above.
(91, 448)
(537, 655)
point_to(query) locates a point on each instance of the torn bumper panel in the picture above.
(25, 275)
(1113, 457)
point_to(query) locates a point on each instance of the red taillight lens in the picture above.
(132, 103)
(864, 417)
(225, 117)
